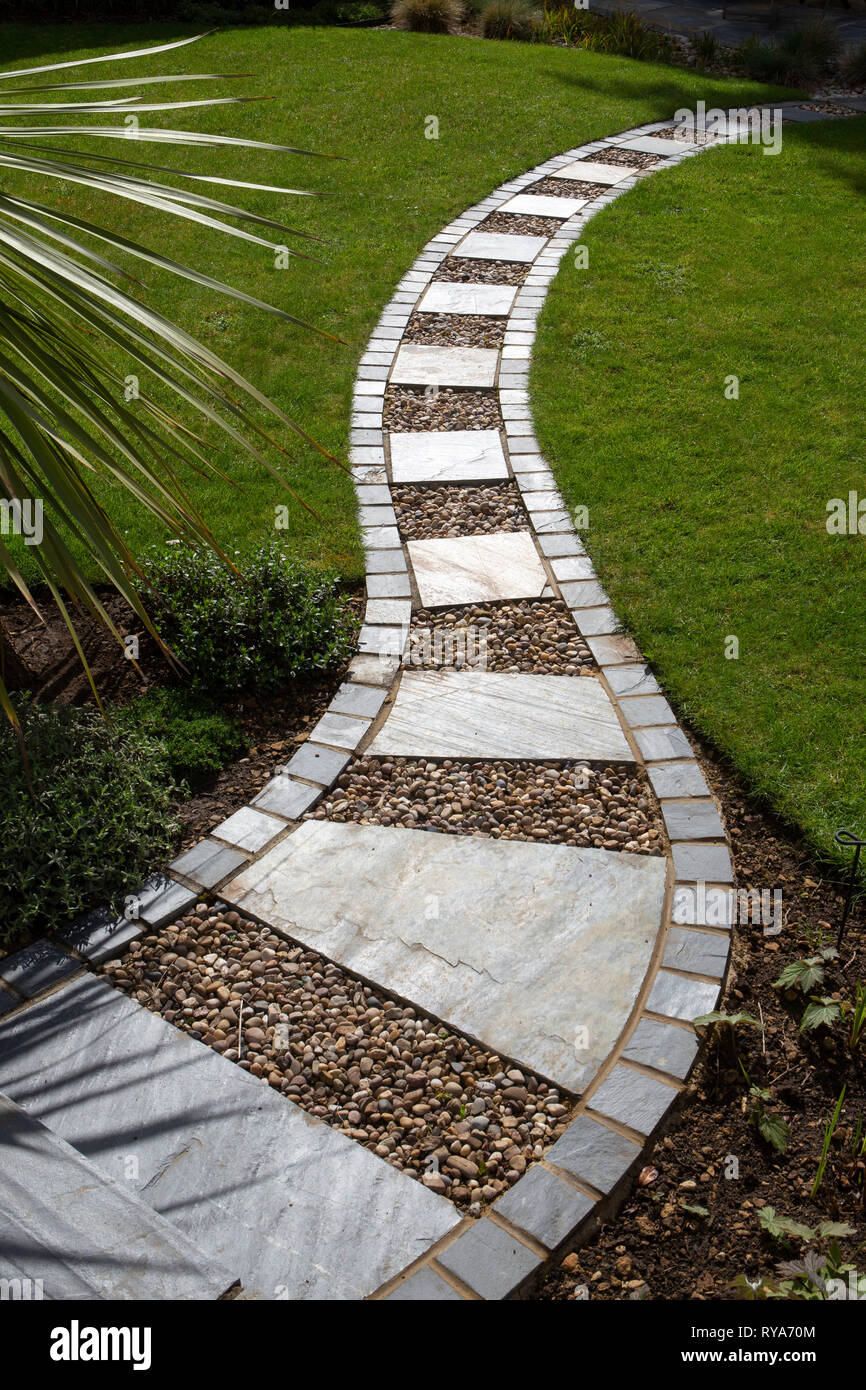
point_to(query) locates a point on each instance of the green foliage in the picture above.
(797, 57)
(782, 1226)
(198, 741)
(768, 1123)
(732, 1020)
(809, 1277)
(509, 19)
(100, 822)
(829, 1130)
(821, 1012)
(427, 16)
(705, 47)
(853, 66)
(858, 1017)
(272, 621)
(806, 974)
(624, 34)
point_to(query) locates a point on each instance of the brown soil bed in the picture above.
(407, 409)
(426, 512)
(655, 1247)
(534, 636)
(466, 270)
(553, 803)
(455, 330)
(462, 1120)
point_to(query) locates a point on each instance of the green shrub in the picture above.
(510, 19)
(628, 36)
(705, 47)
(272, 621)
(100, 819)
(198, 741)
(853, 66)
(427, 16)
(798, 57)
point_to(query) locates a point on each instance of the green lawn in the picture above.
(362, 95)
(708, 515)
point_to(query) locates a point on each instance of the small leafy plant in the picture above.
(271, 620)
(768, 1123)
(817, 1275)
(806, 974)
(198, 740)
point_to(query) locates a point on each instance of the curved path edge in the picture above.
(582, 1179)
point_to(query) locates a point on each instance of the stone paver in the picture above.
(501, 246)
(417, 364)
(662, 1046)
(537, 205)
(84, 1235)
(293, 1208)
(545, 1206)
(594, 1153)
(489, 1260)
(589, 171)
(477, 569)
(448, 456)
(633, 1099)
(537, 949)
(445, 298)
(37, 967)
(452, 714)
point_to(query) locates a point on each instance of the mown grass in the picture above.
(364, 96)
(707, 514)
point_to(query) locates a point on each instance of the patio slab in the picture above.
(477, 569)
(452, 714)
(539, 950)
(445, 298)
(419, 364)
(448, 456)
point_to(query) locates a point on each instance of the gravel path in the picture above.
(527, 635)
(520, 224)
(426, 512)
(551, 802)
(411, 408)
(455, 330)
(457, 1117)
(568, 188)
(466, 270)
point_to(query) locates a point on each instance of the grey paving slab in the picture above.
(101, 934)
(572, 567)
(678, 779)
(632, 680)
(418, 364)
(693, 819)
(358, 699)
(709, 863)
(633, 1099)
(424, 1286)
(586, 593)
(593, 1152)
(489, 1260)
(37, 967)
(591, 171)
(545, 1206)
(445, 298)
(382, 639)
(593, 621)
(84, 1235)
(249, 829)
(207, 862)
(537, 205)
(700, 952)
(315, 763)
(388, 610)
(477, 569)
(500, 246)
(388, 586)
(540, 950)
(445, 714)
(679, 997)
(8, 1001)
(388, 561)
(372, 668)
(651, 144)
(695, 904)
(663, 1046)
(293, 1208)
(380, 537)
(340, 730)
(159, 900)
(656, 745)
(614, 650)
(560, 545)
(447, 456)
(286, 797)
(643, 711)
